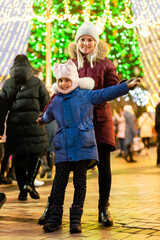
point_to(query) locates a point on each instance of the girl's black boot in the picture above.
(54, 221)
(32, 173)
(75, 219)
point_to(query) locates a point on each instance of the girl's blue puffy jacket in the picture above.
(75, 137)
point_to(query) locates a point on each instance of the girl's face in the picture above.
(86, 44)
(64, 83)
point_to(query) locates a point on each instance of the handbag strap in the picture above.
(14, 96)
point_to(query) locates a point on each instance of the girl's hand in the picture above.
(39, 121)
(133, 83)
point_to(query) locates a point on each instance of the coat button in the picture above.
(70, 158)
(67, 127)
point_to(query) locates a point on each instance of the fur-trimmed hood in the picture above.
(83, 83)
(102, 50)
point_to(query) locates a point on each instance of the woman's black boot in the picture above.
(104, 215)
(45, 167)
(43, 219)
(4, 180)
(29, 186)
(75, 219)
(31, 190)
(54, 221)
(22, 195)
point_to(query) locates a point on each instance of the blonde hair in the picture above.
(90, 57)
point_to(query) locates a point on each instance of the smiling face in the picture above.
(86, 44)
(64, 83)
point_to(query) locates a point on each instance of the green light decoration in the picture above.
(122, 42)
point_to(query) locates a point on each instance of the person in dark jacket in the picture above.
(24, 96)
(74, 142)
(157, 127)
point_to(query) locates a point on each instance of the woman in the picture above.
(24, 96)
(89, 54)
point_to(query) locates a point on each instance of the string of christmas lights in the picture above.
(14, 34)
(25, 14)
(146, 20)
(149, 45)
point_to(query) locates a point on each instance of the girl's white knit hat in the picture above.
(87, 28)
(69, 70)
(66, 70)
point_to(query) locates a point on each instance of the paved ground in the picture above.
(135, 206)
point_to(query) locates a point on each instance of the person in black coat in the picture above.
(24, 96)
(157, 127)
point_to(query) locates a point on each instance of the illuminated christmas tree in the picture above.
(113, 18)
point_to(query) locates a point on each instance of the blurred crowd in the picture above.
(135, 135)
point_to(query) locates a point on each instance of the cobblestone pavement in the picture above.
(134, 205)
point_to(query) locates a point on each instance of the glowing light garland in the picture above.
(149, 45)
(146, 20)
(28, 14)
(14, 34)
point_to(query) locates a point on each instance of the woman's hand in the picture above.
(133, 83)
(40, 122)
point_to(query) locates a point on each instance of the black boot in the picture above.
(45, 167)
(50, 161)
(11, 173)
(75, 219)
(4, 180)
(29, 186)
(20, 171)
(54, 221)
(43, 219)
(2, 199)
(31, 190)
(131, 158)
(104, 215)
(22, 195)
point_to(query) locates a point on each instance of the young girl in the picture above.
(74, 142)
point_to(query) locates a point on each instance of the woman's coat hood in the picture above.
(21, 73)
(102, 50)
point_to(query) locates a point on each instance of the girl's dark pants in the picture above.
(61, 180)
